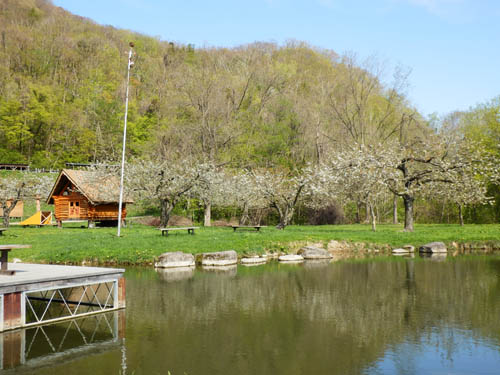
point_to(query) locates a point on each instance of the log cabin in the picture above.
(83, 195)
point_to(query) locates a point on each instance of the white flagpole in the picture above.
(130, 63)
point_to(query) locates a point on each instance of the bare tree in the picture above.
(369, 112)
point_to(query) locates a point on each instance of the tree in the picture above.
(481, 124)
(211, 189)
(283, 191)
(243, 192)
(16, 188)
(358, 174)
(165, 182)
(466, 190)
(367, 111)
(426, 166)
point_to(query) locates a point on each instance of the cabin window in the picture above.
(77, 204)
(71, 204)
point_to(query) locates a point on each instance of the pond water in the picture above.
(399, 316)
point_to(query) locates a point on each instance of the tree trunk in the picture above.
(442, 211)
(208, 214)
(5, 218)
(165, 210)
(7, 210)
(367, 213)
(373, 217)
(408, 202)
(395, 210)
(244, 216)
(38, 203)
(358, 213)
(285, 217)
(461, 215)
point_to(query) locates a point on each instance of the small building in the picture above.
(14, 166)
(85, 195)
(17, 211)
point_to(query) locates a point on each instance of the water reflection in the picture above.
(337, 318)
(438, 257)
(175, 274)
(30, 349)
(319, 263)
(231, 270)
(401, 315)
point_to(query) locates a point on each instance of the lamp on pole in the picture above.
(130, 64)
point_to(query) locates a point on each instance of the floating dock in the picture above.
(38, 293)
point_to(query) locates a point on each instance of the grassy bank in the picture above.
(140, 244)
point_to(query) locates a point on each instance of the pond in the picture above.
(379, 316)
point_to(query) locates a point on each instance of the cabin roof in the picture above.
(97, 189)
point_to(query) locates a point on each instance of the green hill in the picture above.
(62, 86)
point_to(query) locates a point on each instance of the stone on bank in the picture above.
(433, 247)
(406, 249)
(291, 258)
(220, 258)
(312, 252)
(253, 260)
(175, 259)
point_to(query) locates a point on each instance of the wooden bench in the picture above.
(2, 230)
(4, 258)
(166, 230)
(256, 227)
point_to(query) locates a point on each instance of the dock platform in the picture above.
(39, 293)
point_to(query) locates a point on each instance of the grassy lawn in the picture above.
(140, 244)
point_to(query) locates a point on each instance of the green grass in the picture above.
(139, 244)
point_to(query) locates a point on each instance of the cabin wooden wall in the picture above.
(87, 210)
(62, 205)
(106, 212)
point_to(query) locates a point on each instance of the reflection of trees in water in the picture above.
(336, 319)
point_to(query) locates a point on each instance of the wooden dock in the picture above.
(39, 293)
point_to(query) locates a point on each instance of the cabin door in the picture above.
(74, 209)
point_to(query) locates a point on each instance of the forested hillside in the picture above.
(267, 106)
(62, 84)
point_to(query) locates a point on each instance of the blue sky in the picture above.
(451, 46)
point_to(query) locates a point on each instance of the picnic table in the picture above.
(256, 227)
(2, 230)
(166, 230)
(4, 258)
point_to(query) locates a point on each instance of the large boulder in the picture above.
(220, 258)
(312, 252)
(175, 259)
(433, 247)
